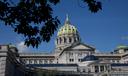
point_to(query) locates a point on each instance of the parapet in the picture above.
(3, 48)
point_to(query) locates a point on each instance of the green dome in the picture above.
(67, 28)
(122, 47)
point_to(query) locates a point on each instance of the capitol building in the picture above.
(71, 56)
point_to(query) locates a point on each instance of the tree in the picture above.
(22, 15)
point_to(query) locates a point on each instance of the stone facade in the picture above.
(10, 64)
(70, 55)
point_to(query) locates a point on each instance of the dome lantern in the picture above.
(67, 20)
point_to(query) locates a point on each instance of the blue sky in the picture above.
(104, 30)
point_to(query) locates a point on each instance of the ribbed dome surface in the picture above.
(67, 35)
(67, 28)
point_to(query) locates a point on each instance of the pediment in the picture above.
(81, 46)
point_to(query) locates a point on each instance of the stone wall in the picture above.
(10, 64)
(2, 66)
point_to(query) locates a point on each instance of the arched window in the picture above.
(65, 40)
(60, 40)
(70, 40)
(75, 39)
(57, 41)
(78, 38)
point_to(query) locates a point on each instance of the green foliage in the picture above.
(33, 18)
(93, 5)
(27, 12)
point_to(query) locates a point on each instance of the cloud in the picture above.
(21, 47)
(124, 38)
(97, 51)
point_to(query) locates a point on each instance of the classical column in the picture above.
(104, 67)
(93, 69)
(99, 68)
(72, 40)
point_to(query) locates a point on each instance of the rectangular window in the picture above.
(40, 61)
(113, 61)
(35, 61)
(45, 62)
(50, 61)
(70, 54)
(96, 69)
(101, 68)
(79, 60)
(30, 61)
(25, 61)
(118, 61)
(80, 54)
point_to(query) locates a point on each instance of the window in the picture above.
(50, 61)
(30, 61)
(118, 61)
(71, 60)
(96, 69)
(74, 39)
(60, 40)
(73, 30)
(70, 40)
(45, 61)
(70, 54)
(113, 61)
(57, 41)
(78, 38)
(84, 70)
(40, 61)
(57, 61)
(65, 40)
(25, 61)
(79, 60)
(35, 61)
(80, 54)
(101, 68)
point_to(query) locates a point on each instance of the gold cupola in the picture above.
(67, 35)
(67, 28)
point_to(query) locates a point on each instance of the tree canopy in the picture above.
(34, 18)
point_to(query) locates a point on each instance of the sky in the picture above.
(104, 30)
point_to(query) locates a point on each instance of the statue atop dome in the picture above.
(67, 19)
